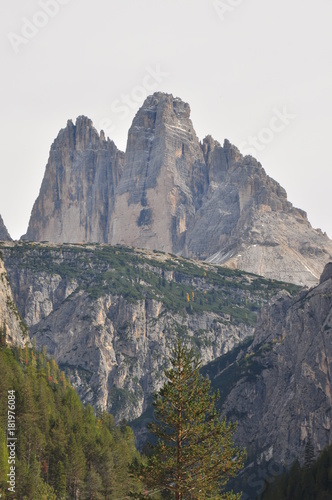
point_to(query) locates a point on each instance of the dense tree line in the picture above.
(62, 450)
(312, 481)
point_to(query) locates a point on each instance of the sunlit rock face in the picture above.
(12, 329)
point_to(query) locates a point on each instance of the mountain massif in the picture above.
(173, 193)
(176, 238)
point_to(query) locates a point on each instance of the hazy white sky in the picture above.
(257, 72)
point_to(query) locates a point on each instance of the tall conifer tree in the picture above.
(195, 455)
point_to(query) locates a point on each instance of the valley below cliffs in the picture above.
(111, 315)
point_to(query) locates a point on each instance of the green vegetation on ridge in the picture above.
(182, 285)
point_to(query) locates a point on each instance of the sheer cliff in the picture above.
(278, 386)
(13, 330)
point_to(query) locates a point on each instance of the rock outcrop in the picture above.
(13, 330)
(247, 223)
(111, 315)
(4, 235)
(172, 193)
(279, 388)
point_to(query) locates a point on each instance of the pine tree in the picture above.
(309, 454)
(195, 454)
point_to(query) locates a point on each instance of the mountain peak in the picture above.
(79, 136)
(4, 235)
(77, 193)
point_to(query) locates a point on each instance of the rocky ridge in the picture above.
(172, 193)
(4, 235)
(278, 386)
(111, 315)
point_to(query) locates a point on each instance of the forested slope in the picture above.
(62, 449)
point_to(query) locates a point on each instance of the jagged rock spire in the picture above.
(4, 235)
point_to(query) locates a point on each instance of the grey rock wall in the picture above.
(4, 235)
(284, 396)
(12, 327)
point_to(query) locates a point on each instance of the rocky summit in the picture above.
(4, 235)
(171, 192)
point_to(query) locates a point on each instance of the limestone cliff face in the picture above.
(118, 350)
(4, 235)
(283, 393)
(246, 222)
(12, 327)
(112, 315)
(164, 178)
(172, 193)
(76, 198)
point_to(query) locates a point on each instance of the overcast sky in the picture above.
(258, 72)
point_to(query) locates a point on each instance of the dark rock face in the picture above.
(327, 273)
(284, 396)
(4, 235)
(172, 193)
